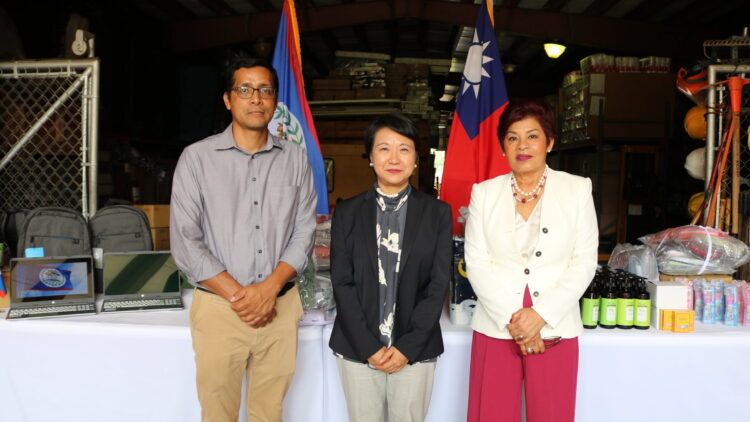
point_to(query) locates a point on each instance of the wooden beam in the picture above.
(646, 9)
(555, 5)
(174, 9)
(219, 7)
(599, 7)
(262, 5)
(591, 31)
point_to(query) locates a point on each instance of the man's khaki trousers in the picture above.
(226, 349)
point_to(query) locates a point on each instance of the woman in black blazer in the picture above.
(389, 292)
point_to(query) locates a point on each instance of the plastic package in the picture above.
(639, 260)
(315, 289)
(689, 283)
(695, 250)
(322, 245)
(741, 286)
(718, 286)
(731, 300)
(709, 304)
(698, 298)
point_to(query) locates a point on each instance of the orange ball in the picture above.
(695, 123)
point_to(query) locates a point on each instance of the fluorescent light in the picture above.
(554, 50)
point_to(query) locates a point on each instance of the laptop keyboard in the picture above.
(48, 311)
(138, 304)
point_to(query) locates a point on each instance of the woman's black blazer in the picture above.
(424, 274)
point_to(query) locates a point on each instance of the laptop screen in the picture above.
(132, 273)
(55, 278)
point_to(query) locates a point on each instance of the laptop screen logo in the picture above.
(53, 278)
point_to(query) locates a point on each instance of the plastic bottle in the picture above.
(625, 306)
(642, 308)
(590, 306)
(608, 307)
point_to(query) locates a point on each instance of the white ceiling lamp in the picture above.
(553, 50)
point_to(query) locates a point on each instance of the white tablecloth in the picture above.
(139, 367)
(623, 376)
(123, 367)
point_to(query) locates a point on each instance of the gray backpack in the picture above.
(60, 231)
(121, 228)
(11, 223)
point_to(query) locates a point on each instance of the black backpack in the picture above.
(121, 228)
(60, 231)
(11, 224)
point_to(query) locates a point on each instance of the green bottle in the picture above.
(608, 307)
(625, 308)
(590, 307)
(642, 308)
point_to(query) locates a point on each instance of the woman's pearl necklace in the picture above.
(524, 197)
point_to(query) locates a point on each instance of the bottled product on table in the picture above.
(642, 307)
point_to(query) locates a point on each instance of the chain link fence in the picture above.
(48, 132)
(716, 126)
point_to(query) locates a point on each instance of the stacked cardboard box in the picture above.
(334, 88)
(158, 218)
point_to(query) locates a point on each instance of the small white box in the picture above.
(668, 295)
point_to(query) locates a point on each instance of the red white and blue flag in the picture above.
(292, 120)
(474, 153)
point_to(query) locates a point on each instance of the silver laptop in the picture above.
(140, 281)
(51, 287)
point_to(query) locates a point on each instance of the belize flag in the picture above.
(292, 120)
(474, 153)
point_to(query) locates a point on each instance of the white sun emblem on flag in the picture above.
(474, 68)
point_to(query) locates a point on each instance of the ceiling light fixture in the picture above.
(553, 50)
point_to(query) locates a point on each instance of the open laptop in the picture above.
(140, 281)
(51, 287)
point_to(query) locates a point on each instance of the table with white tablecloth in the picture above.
(135, 366)
(139, 367)
(623, 376)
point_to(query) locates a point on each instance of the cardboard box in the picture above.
(668, 295)
(666, 319)
(684, 321)
(332, 84)
(333, 94)
(160, 237)
(370, 93)
(667, 277)
(158, 215)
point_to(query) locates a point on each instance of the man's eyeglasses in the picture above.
(246, 92)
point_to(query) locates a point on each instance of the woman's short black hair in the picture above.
(240, 62)
(396, 122)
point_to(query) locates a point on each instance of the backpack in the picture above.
(10, 225)
(60, 231)
(121, 228)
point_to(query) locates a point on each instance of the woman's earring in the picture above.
(372, 165)
(415, 166)
(549, 150)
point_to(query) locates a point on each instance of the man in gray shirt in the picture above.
(242, 226)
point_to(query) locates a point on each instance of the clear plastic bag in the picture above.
(315, 289)
(639, 260)
(322, 245)
(695, 250)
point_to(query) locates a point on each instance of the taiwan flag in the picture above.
(292, 120)
(474, 153)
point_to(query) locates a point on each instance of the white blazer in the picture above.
(557, 273)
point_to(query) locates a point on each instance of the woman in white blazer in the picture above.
(531, 250)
